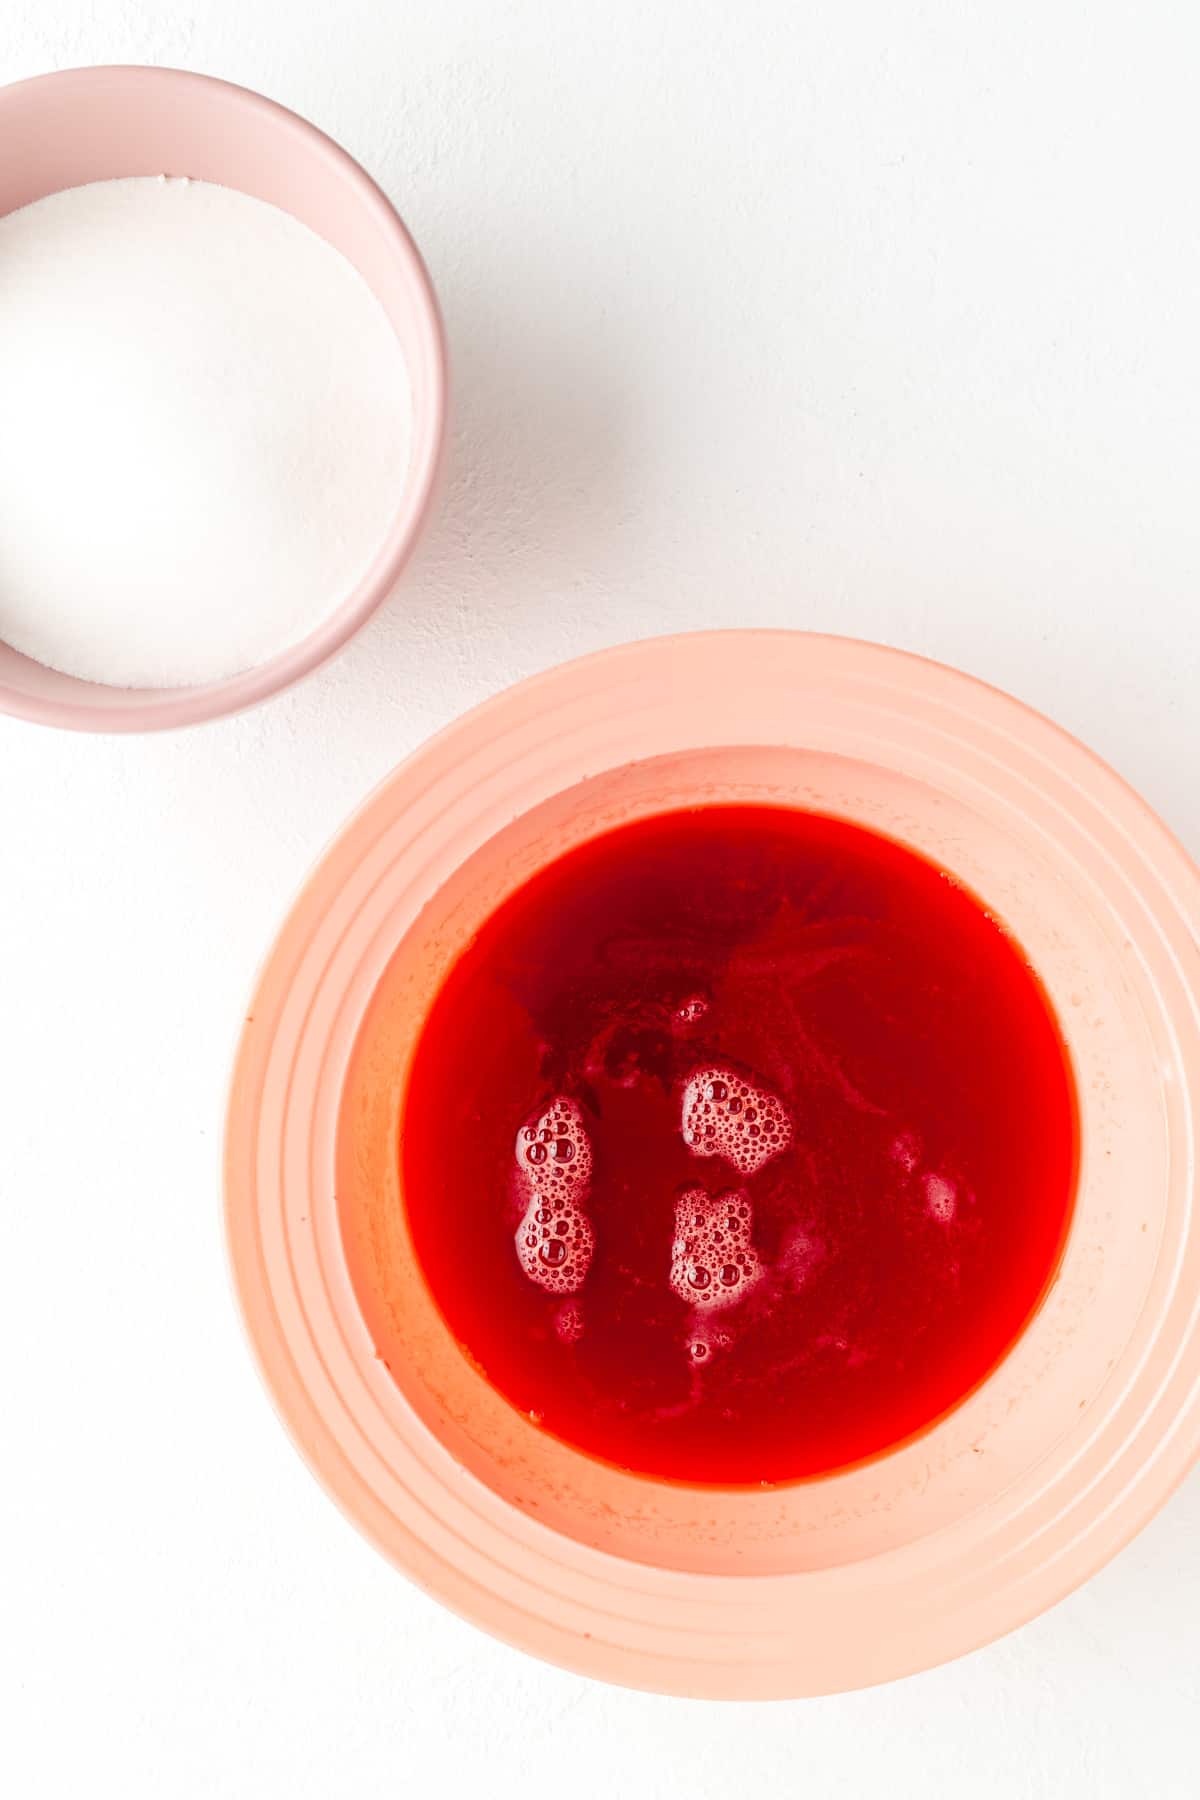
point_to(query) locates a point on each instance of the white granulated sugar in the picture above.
(205, 423)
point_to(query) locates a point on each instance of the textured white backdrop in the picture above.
(871, 318)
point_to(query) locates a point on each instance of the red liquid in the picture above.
(882, 1160)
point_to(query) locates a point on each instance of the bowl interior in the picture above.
(1035, 1397)
(84, 125)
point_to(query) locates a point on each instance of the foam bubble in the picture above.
(557, 1263)
(568, 1322)
(713, 1262)
(689, 1012)
(705, 1340)
(555, 1153)
(726, 1114)
(941, 1198)
(906, 1151)
(554, 1238)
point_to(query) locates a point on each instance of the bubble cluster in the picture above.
(554, 1153)
(724, 1114)
(713, 1262)
(906, 1151)
(689, 1012)
(703, 1342)
(941, 1198)
(554, 1238)
(568, 1322)
(938, 1192)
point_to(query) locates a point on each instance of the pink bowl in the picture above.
(1000, 1508)
(65, 130)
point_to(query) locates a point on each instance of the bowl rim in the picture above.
(168, 709)
(585, 1609)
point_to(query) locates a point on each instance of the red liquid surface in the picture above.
(880, 1169)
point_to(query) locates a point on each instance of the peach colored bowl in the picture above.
(999, 1509)
(83, 125)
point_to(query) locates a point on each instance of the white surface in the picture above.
(879, 319)
(208, 392)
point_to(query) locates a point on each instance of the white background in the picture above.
(872, 318)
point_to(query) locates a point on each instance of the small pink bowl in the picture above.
(1000, 1508)
(65, 130)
